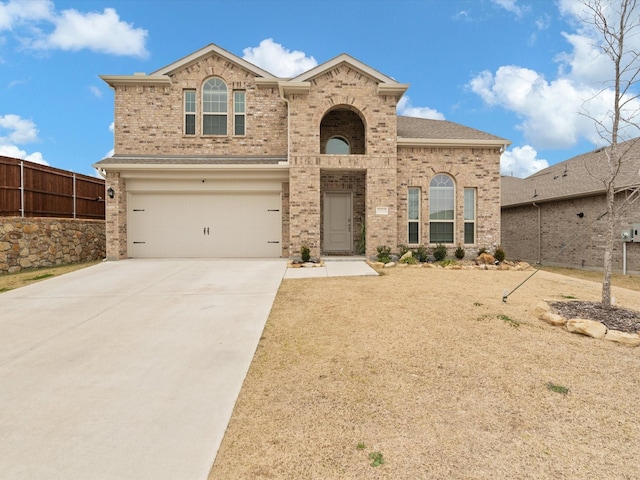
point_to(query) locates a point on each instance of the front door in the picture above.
(337, 222)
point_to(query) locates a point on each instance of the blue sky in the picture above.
(514, 68)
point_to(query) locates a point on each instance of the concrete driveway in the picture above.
(130, 369)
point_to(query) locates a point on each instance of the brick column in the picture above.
(382, 229)
(116, 218)
(304, 209)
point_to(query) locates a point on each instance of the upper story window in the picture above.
(189, 112)
(441, 209)
(239, 112)
(214, 107)
(337, 146)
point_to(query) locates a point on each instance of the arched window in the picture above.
(441, 209)
(338, 146)
(214, 107)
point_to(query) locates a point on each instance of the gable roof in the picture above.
(163, 75)
(203, 52)
(414, 131)
(573, 178)
(302, 83)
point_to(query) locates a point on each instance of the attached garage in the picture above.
(199, 208)
(205, 225)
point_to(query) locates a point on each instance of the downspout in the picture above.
(539, 234)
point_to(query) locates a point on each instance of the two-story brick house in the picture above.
(215, 157)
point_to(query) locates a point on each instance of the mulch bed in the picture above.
(615, 318)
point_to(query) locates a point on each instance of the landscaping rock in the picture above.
(540, 308)
(590, 328)
(628, 339)
(390, 265)
(553, 319)
(485, 259)
(409, 254)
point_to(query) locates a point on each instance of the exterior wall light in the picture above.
(111, 192)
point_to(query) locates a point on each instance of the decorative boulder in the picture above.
(485, 259)
(553, 319)
(590, 328)
(540, 308)
(409, 254)
(628, 339)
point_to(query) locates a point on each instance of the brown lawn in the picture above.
(430, 372)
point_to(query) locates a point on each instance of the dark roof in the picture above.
(579, 176)
(412, 127)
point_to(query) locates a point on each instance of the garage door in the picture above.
(204, 225)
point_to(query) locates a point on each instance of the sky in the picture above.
(526, 71)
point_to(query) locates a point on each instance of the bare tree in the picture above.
(617, 22)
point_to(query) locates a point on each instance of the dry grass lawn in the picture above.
(10, 281)
(430, 372)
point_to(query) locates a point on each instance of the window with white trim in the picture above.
(441, 209)
(469, 215)
(214, 107)
(189, 112)
(413, 216)
(239, 112)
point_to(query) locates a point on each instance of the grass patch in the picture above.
(376, 459)
(557, 388)
(361, 446)
(569, 297)
(41, 277)
(509, 321)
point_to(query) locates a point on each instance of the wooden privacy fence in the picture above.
(28, 189)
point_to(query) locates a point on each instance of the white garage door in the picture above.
(206, 225)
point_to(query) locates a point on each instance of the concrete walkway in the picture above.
(333, 267)
(128, 370)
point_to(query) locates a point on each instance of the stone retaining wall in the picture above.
(44, 242)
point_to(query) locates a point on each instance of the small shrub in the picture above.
(459, 253)
(409, 260)
(499, 254)
(421, 254)
(440, 252)
(481, 250)
(305, 252)
(361, 446)
(384, 254)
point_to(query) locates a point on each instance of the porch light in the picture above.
(111, 192)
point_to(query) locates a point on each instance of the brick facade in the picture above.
(294, 119)
(552, 233)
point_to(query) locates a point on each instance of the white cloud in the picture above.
(278, 60)
(102, 32)
(521, 162)
(20, 130)
(14, 131)
(14, 152)
(557, 113)
(405, 108)
(512, 6)
(95, 91)
(15, 12)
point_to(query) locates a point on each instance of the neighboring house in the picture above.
(216, 157)
(556, 216)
